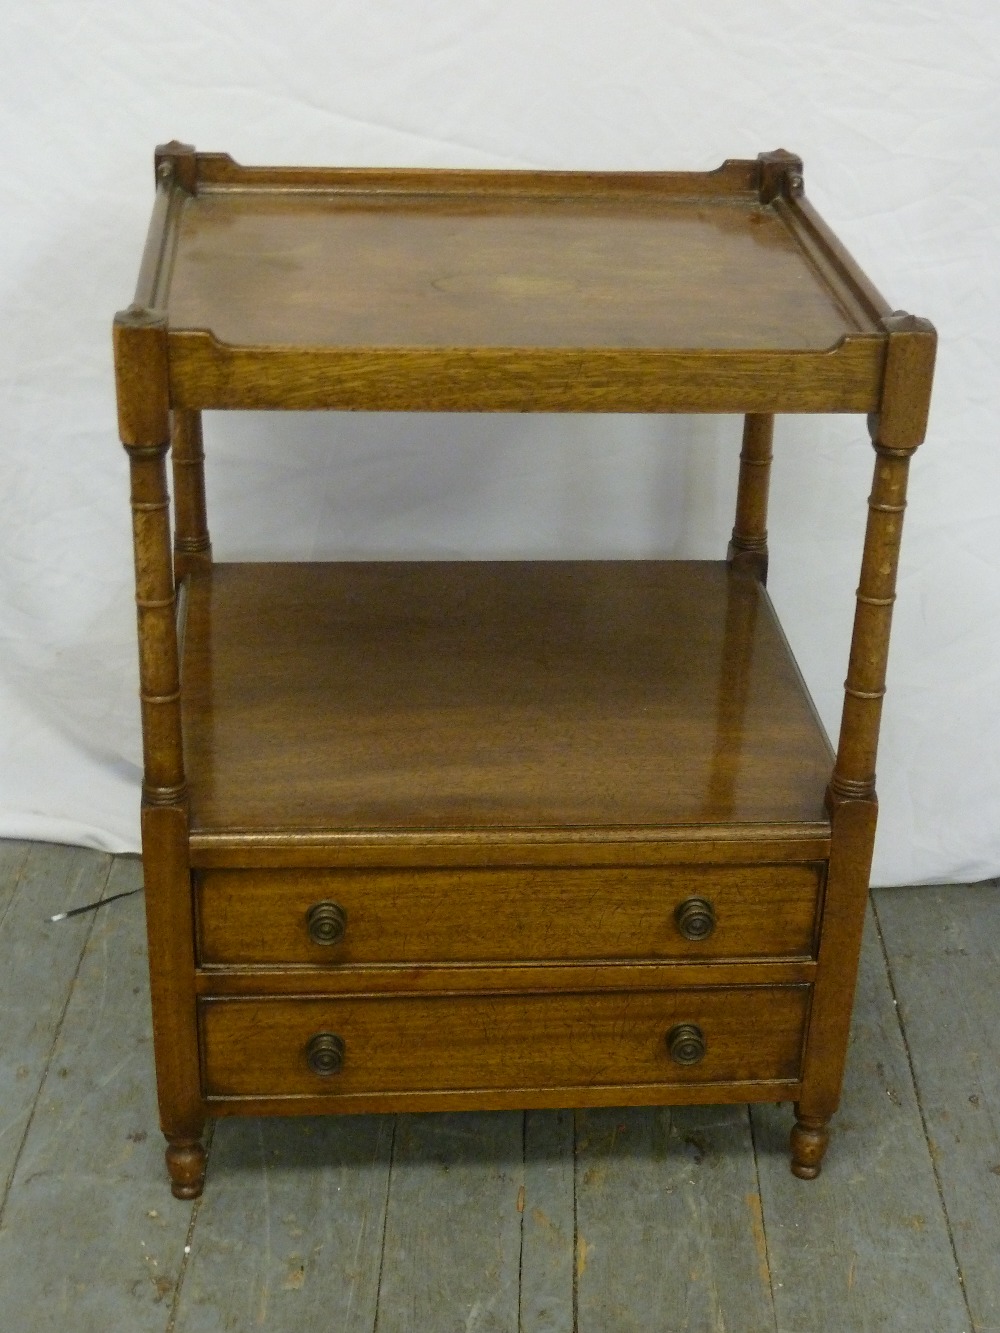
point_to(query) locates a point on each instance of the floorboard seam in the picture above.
(920, 1108)
(188, 1241)
(576, 1239)
(763, 1221)
(8, 1184)
(385, 1221)
(16, 875)
(520, 1253)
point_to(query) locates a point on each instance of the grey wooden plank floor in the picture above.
(544, 1222)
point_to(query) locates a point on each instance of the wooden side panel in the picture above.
(207, 374)
(170, 929)
(840, 945)
(550, 978)
(733, 844)
(506, 1042)
(735, 176)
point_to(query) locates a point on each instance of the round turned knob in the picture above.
(325, 1053)
(695, 918)
(326, 922)
(686, 1043)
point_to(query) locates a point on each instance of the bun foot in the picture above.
(186, 1165)
(809, 1139)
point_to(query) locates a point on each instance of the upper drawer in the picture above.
(483, 915)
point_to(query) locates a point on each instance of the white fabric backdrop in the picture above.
(894, 107)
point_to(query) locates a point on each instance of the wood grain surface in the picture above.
(516, 291)
(457, 1042)
(501, 270)
(420, 916)
(431, 695)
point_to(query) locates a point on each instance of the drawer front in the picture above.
(369, 1044)
(476, 915)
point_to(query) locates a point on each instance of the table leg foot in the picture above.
(186, 1165)
(810, 1137)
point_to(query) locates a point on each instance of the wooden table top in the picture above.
(607, 270)
(431, 290)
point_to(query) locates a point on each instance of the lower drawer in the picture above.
(315, 1047)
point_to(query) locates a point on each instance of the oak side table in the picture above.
(434, 835)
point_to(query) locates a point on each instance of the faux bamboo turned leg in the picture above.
(143, 419)
(192, 547)
(864, 689)
(897, 430)
(141, 374)
(748, 547)
(159, 675)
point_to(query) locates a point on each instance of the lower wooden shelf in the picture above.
(482, 702)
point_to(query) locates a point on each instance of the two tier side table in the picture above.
(482, 834)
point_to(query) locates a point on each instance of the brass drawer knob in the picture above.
(325, 1054)
(326, 922)
(686, 1043)
(695, 918)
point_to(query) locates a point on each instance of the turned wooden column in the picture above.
(896, 431)
(141, 371)
(192, 546)
(748, 547)
(747, 554)
(143, 423)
